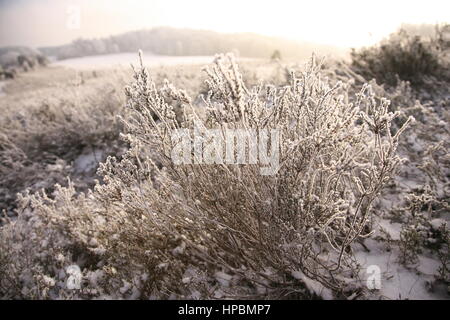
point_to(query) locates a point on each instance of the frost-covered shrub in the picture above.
(217, 230)
(424, 230)
(44, 130)
(411, 242)
(406, 57)
(444, 254)
(36, 257)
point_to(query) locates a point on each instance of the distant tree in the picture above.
(26, 62)
(21, 59)
(276, 55)
(42, 60)
(99, 46)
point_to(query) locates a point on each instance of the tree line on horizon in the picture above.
(187, 42)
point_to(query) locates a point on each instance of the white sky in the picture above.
(338, 22)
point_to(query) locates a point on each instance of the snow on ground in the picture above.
(2, 84)
(397, 281)
(125, 59)
(88, 161)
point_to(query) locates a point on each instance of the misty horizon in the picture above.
(42, 23)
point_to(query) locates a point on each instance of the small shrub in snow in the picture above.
(405, 57)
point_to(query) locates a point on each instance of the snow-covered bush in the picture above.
(406, 57)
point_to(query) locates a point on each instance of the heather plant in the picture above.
(411, 243)
(159, 229)
(444, 254)
(306, 201)
(422, 233)
(43, 131)
(406, 57)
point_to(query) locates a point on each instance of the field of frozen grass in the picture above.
(125, 59)
(84, 181)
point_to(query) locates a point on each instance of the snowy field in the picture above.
(125, 59)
